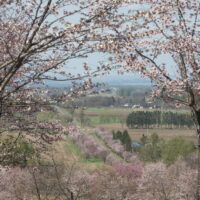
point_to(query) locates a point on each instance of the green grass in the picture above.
(94, 160)
(70, 146)
(109, 110)
(96, 120)
(46, 116)
(61, 115)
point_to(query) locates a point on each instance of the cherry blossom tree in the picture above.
(159, 40)
(115, 145)
(15, 183)
(89, 146)
(39, 37)
(160, 182)
(39, 40)
(129, 170)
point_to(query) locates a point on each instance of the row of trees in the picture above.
(89, 146)
(133, 91)
(156, 119)
(116, 145)
(124, 138)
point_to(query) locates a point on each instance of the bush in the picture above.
(176, 147)
(155, 149)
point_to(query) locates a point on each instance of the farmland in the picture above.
(164, 133)
(115, 119)
(91, 153)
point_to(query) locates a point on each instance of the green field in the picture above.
(108, 110)
(107, 115)
(111, 110)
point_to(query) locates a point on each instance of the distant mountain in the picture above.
(123, 80)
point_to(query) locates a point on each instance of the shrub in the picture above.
(155, 149)
(176, 147)
(152, 150)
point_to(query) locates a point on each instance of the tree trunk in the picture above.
(197, 122)
(198, 177)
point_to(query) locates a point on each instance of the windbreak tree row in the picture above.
(158, 119)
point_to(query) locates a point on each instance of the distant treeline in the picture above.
(107, 101)
(136, 91)
(130, 95)
(158, 119)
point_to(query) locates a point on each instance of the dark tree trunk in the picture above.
(198, 178)
(197, 122)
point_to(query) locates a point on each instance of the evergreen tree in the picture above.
(124, 138)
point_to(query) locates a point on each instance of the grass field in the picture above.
(65, 151)
(68, 153)
(110, 110)
(115, 119)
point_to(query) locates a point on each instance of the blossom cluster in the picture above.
(89, 145)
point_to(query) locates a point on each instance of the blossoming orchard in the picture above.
(39, 41)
